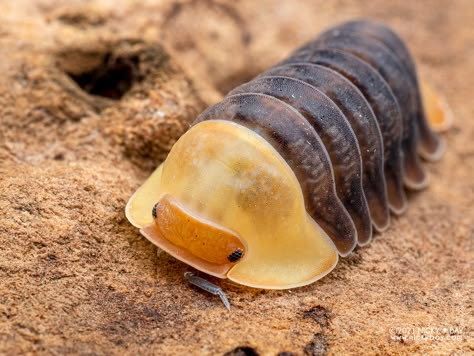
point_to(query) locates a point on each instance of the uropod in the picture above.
(298, 166)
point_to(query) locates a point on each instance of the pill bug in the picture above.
(299, 165)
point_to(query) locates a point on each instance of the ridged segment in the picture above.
(345, 112)
(295, 139)
(335, 131)
(431, 145)
(351, 126)
(378, 56)
(386, 110)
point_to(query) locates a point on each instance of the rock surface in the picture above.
(77, 278)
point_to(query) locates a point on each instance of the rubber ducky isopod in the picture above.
(298, 166)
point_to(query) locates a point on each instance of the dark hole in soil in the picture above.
(111, 79)
(242, 351)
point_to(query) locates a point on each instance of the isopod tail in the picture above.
(437, 109)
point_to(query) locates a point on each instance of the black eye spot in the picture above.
(153, 211)
(235, 255)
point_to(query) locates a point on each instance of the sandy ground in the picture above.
(77, 278)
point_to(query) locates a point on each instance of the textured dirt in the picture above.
(77, 278)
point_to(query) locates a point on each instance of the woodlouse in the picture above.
(298, 165)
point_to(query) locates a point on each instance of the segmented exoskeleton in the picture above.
(345, 112)
(297, 166)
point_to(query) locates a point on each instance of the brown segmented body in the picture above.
(345, 112)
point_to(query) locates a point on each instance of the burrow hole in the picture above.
(242, 351)
(112, 78)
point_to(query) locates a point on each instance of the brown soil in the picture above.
(77, 278)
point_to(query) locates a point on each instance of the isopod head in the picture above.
(226, 203)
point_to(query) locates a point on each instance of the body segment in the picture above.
(384, 106)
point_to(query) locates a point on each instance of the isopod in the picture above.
(298, 166)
